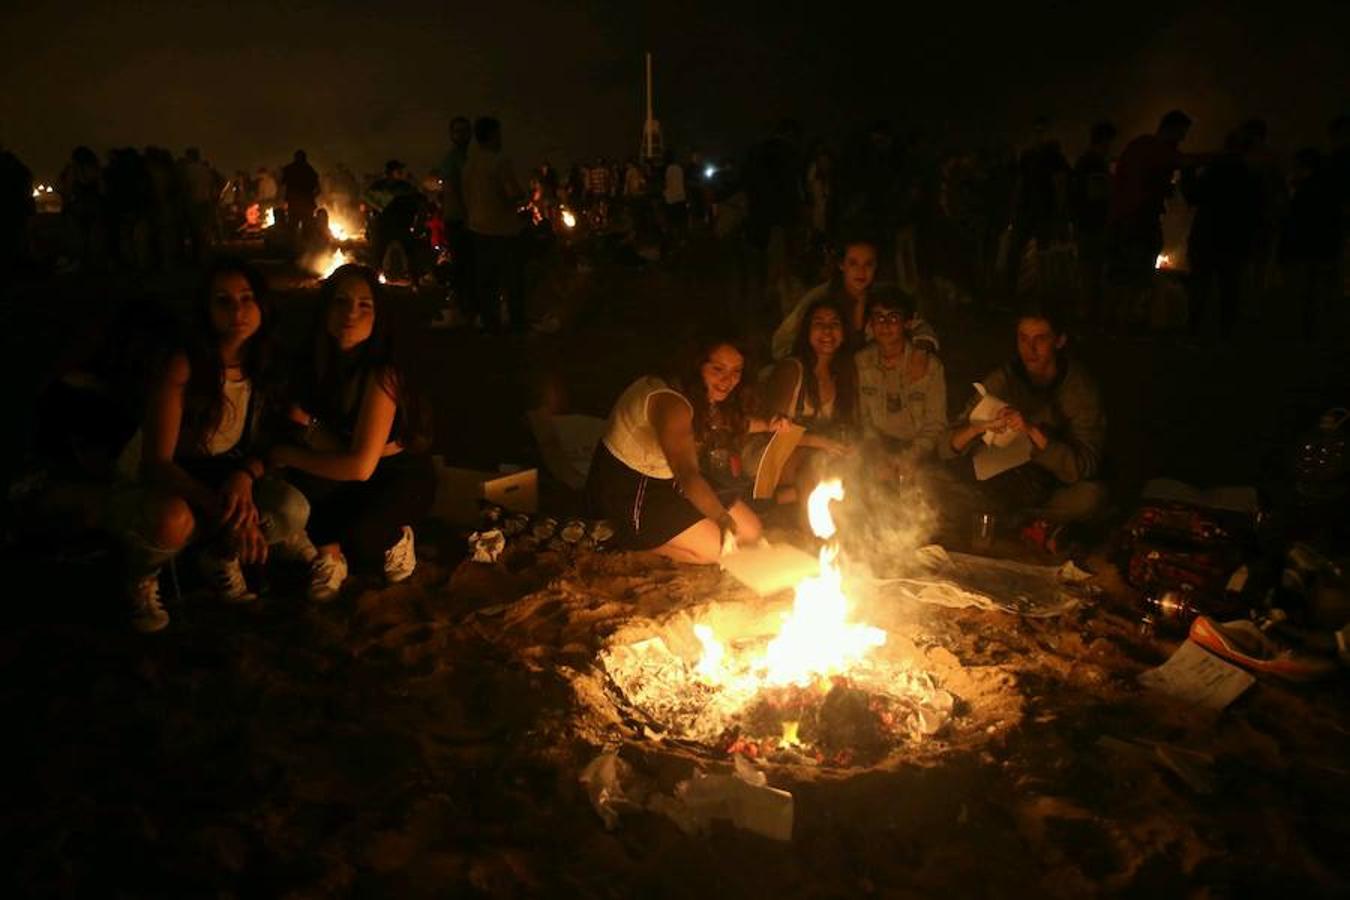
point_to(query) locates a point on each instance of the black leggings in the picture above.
(367, 517)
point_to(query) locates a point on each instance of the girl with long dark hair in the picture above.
(201, 451)
(362, 460)
(646, 476)
(817, 388)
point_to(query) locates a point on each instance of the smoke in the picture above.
(884, 521)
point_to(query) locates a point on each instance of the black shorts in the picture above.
(645, 512)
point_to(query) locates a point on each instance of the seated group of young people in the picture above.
(859, 370)
(326, 462)
(323, 463)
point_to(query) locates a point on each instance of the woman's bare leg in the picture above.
(700, 543)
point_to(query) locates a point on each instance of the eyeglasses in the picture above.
(888, 318)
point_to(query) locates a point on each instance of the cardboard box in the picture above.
(459, 492)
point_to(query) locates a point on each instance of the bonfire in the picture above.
(809, 685)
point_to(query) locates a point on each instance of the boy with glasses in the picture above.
(902, 390)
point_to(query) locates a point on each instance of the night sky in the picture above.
(251, 81)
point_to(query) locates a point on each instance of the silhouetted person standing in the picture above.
(82, 202)
(773, 191)
(674, 199)
(201, 187)
(1139, 191)
(1338, 171)
(455, 215)
(126, 184)
(16, 207)
(300, 188)
(1090, 201)
(1310, 247)
(1039, 197)
(167, 220)
(1227, 200)
(492, 198)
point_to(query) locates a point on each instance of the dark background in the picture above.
(250, 81)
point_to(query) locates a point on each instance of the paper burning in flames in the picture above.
(814, 688)
(816, 640)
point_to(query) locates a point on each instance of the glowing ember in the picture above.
(569, 218)
(270, 218)
(1164, 261)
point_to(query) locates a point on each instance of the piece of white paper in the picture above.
(766, 569)
(987, 409)
(986, 412)
(995, 459)
(1195, 676)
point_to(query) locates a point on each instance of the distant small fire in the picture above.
(343, 230)
(327, 264)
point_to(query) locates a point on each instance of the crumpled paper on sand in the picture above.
(743, 797)
(960, 580)
(487, 546)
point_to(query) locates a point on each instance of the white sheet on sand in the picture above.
(959, 580)
(1197, 678)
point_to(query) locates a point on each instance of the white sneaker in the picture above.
(298, 547)
(227, 578)
(400, 560)
(147, 613)
(326, 574)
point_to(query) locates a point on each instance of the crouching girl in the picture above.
(362, 461)
(202, 476)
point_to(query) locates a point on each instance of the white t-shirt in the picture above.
(630, 435)
(674, 190)
(233, 414)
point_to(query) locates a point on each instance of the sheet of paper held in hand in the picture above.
(769, 568)
(1194, 675)
(780, 447)
(1002, 450)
